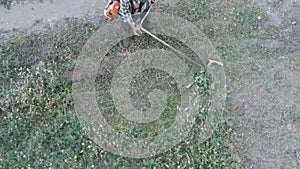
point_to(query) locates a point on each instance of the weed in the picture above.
(204, 82)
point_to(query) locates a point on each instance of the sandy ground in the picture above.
(264, 94)
(22, 16)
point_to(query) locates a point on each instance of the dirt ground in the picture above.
(263, 92)
(30, 15)
(266, 93)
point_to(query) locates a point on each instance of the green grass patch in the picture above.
(245, 22)
(39, 128)
(194, 10)
(6, 3)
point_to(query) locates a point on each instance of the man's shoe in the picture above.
(125, 42)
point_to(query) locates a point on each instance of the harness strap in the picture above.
(135, 8)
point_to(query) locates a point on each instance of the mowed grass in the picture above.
(39, 126)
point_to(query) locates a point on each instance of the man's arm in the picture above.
(135, 30)
(126, 16)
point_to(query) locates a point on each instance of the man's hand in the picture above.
(138, 32)
(135, 30)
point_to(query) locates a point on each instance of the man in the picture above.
(130, 11)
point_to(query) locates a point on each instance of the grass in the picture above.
(39, 127)
(6, 3)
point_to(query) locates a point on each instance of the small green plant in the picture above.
(204, 82)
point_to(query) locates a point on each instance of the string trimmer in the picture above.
(210, 61)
